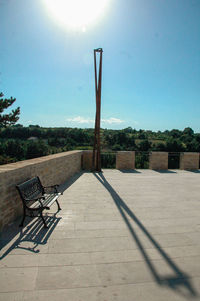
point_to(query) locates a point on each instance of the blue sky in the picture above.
(151, 65)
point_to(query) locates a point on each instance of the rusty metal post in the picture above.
(96, 159)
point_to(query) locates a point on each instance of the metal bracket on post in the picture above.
(96, 158)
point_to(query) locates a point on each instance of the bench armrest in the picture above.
(51, 186)
(35, 199)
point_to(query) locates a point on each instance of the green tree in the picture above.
(175, 133)
(193, 146)
(36, 149)
(159, 147)
(144, 145)
(10, 118)
(174, 145)
(188, 131)
(15, 149)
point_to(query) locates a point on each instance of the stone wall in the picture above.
(125, 160)
(56, 169)
(189, 161)
(53, 169)
(158, 160)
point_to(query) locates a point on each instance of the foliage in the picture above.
(36, 149)
(10, 118)
(108, 160)
(144, 145)
(19, 143)
(142, 160)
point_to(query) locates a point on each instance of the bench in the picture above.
(36, 198)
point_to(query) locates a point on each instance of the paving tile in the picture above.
(102, 233)
(63, 234)
(18, 279)
(123, 273)
(66, 277)
(13, 261)
(64, 259)
(77, 294)
(100, 225)
(16, 296)
(90, 244)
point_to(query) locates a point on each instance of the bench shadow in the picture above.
(33, 233)
(178, 280)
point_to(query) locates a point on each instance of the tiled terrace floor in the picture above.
(123, 236)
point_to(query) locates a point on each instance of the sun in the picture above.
(77, 14)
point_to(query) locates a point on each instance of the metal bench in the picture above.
(36, 198)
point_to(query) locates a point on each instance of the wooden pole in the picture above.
(96, 159)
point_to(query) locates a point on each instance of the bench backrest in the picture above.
(30, 189)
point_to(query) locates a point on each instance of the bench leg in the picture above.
(58, 205)
(45, 225)
(22, 222)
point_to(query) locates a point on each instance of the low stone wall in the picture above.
(158, 160)
(125, 160)
(189, 161)
(56, 169)
(53, 169)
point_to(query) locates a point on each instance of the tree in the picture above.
(144, 145)
(174, 145)
(159, 147)
(11, 118)
(36, 149)
(188, 131)
(15, 149)
(175, 133)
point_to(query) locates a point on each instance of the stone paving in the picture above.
(123, 236)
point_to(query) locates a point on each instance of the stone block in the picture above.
(158, 160)
(189, 161)
(125, 160)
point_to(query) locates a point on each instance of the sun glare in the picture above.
(77, 14)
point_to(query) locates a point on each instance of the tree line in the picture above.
(20, 143)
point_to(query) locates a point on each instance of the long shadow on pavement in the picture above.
(33, 233)
(179, 279)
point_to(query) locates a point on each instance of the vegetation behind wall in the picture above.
(20, 143)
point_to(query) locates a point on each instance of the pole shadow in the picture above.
(179, 279)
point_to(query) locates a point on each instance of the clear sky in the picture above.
(151, 64)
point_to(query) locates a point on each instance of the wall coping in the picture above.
(24, 163)
(189, 153)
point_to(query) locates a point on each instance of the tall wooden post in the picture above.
(96, 159)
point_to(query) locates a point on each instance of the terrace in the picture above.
(121, 235)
